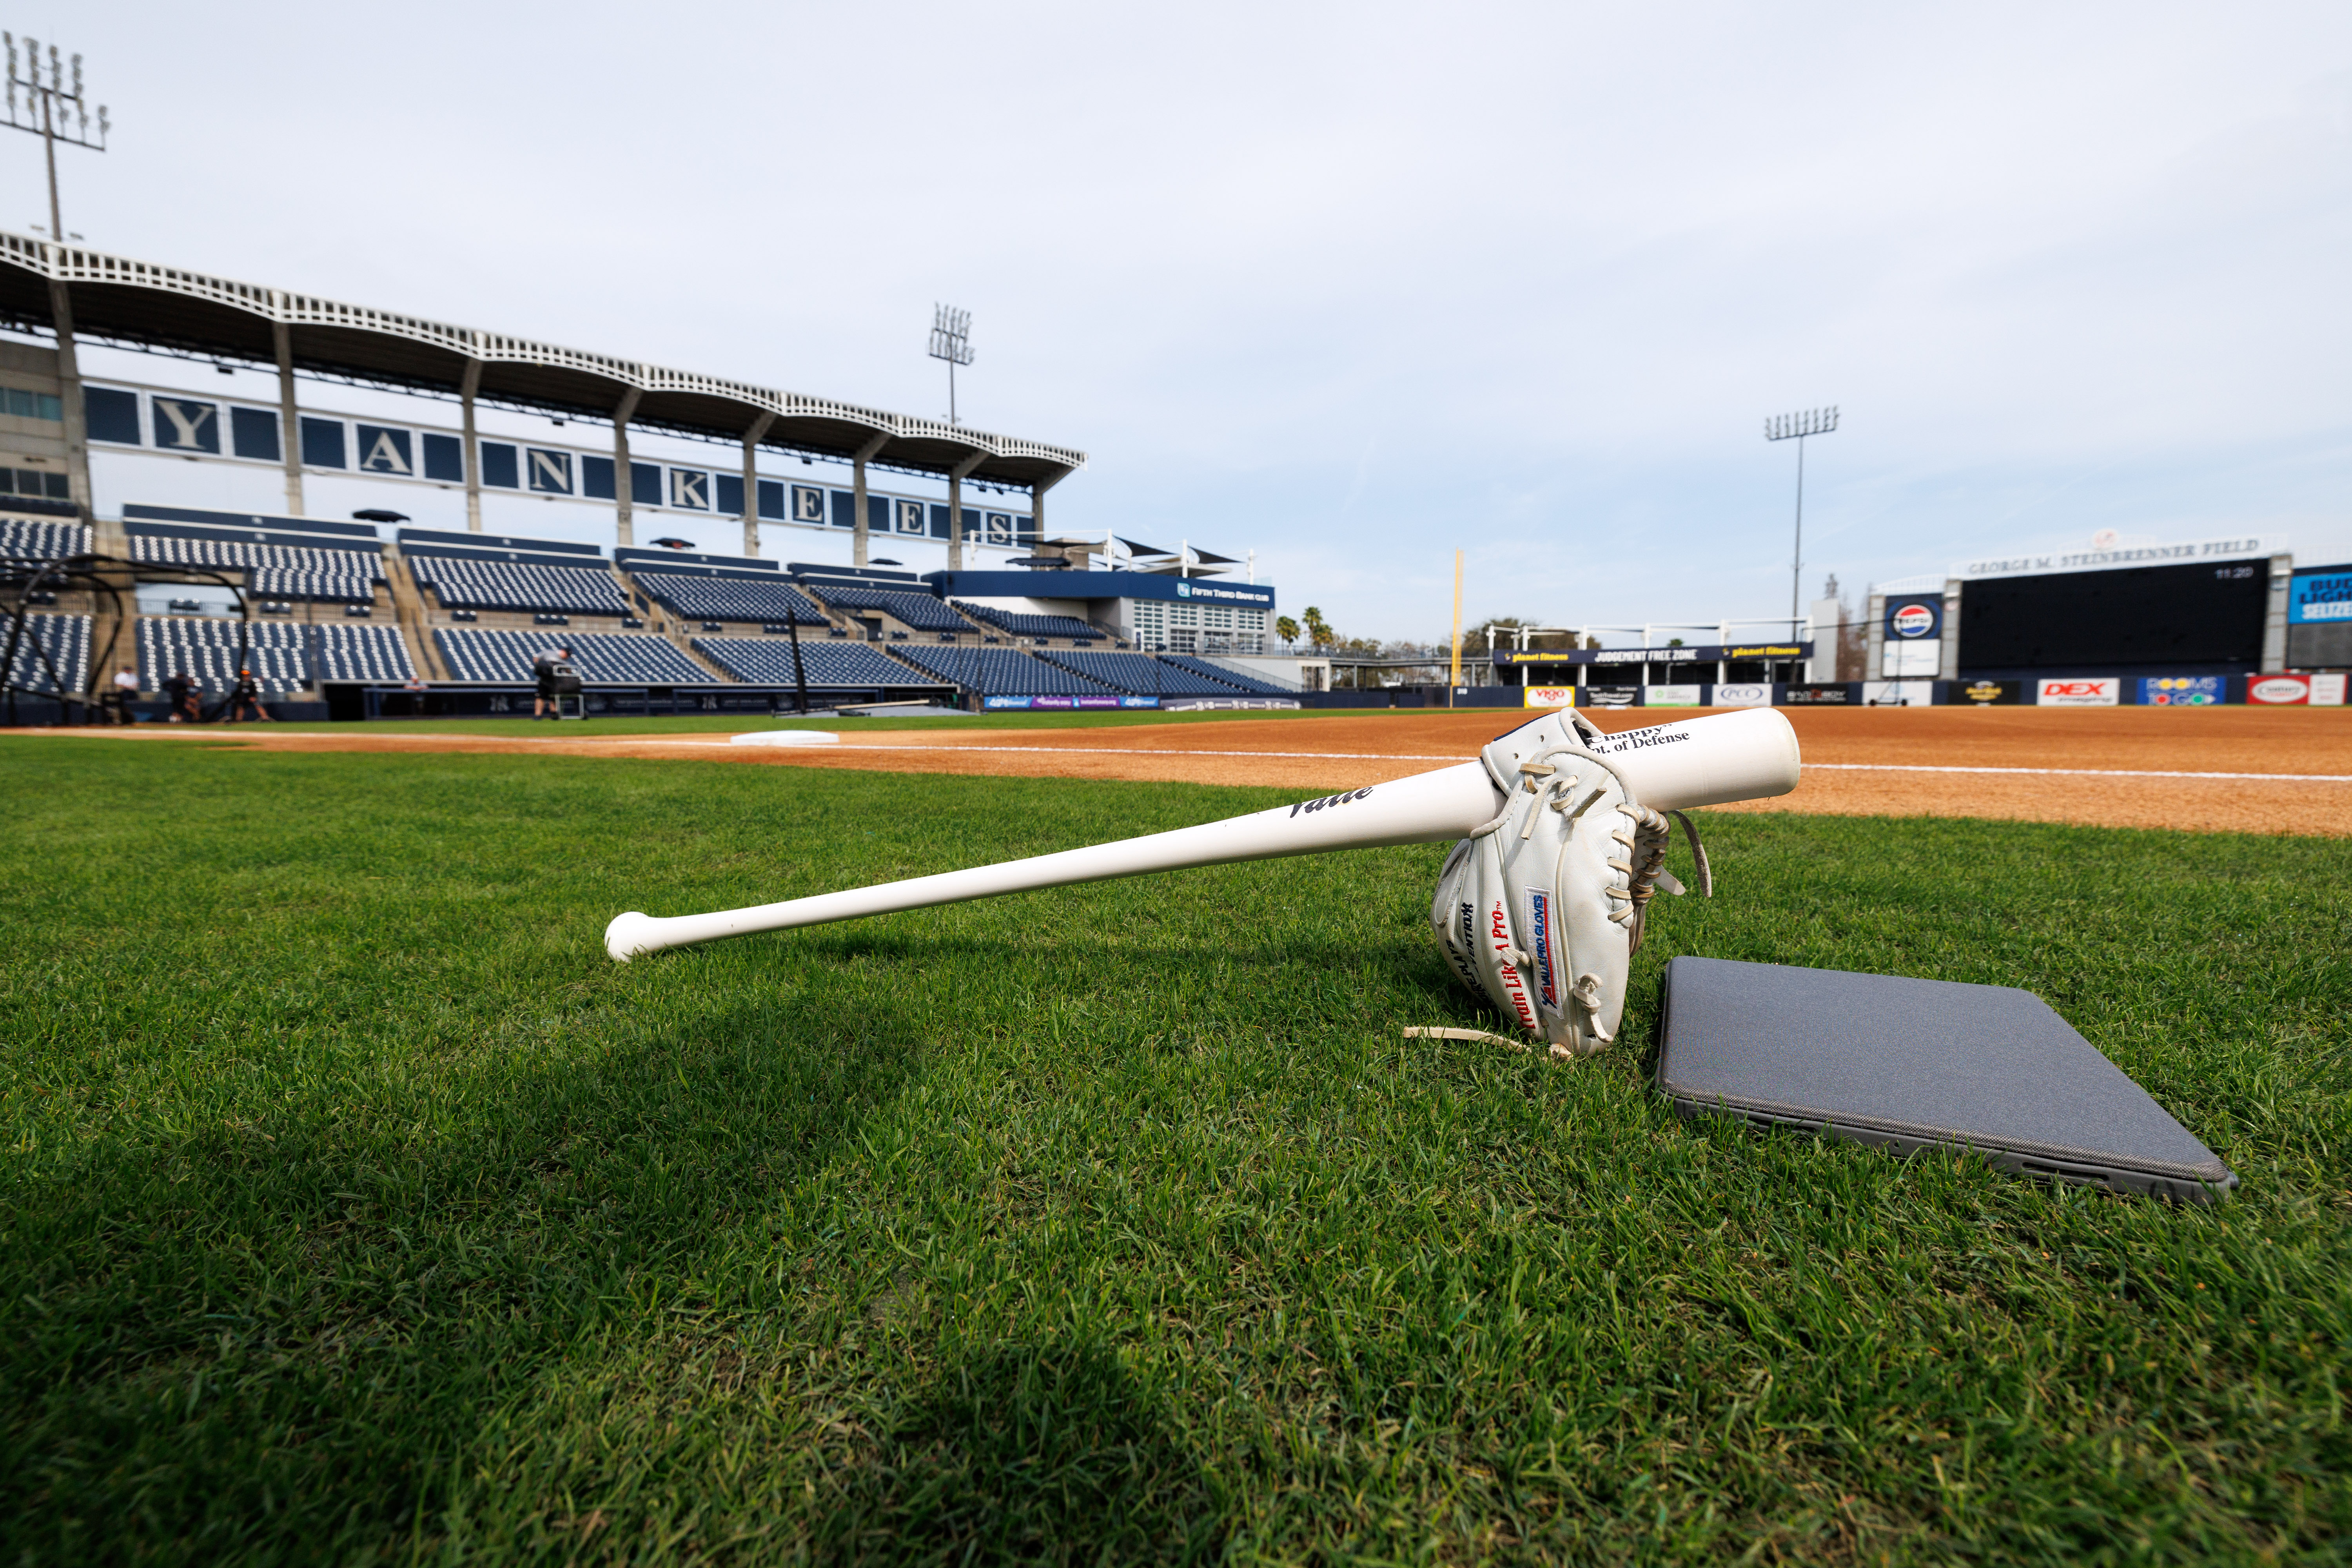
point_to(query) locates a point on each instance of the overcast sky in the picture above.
(1357, 285)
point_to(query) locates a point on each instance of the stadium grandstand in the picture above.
(621, 658)
(1019, 624)
(731, 597)
(291, 572)
(458, 604)
(915, 611)
(464, 583)
(65, 642)
(769, 661)
(1000, 672)
(47, 286)
(1227, 674)
(208, 648)
(1137, 674)
(345, 652)
(34, 539)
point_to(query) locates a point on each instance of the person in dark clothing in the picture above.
(542, 670)
(180, 692)
(245, 697)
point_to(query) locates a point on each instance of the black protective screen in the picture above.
(2209, 613)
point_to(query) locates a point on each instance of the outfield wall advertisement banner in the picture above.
(1612, 696)
(1670, 697)
(2182, 690)
(2316, 690)
(1751, 694)
(2078, 691)
(1550, 696)
(1991, 693)
(1832, 696)
(1103, 700)
(1898, 693)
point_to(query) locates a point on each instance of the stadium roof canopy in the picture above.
(138, 304)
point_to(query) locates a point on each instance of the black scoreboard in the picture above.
(2209, 612)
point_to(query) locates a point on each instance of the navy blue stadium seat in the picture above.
(274, 570)
(24, 538)
(1000, 672)
(920, 611)
(769, 662)
(470, 583)
(611, 658)
(345, 650)
(1022, 624)
(1249, 683)
(1139, 673)
(730, 598)
(206, 648)
(65, 638)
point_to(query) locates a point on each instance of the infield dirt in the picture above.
(2126, 767)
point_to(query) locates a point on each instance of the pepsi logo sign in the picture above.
(1914, 621)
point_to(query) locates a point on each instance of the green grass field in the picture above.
(358, 1209)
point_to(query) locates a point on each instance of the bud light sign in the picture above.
(2320, 596)
(1912, 619)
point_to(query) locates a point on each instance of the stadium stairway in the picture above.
(408, 609)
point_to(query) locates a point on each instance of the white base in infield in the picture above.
(1695, 762)
(786, 738)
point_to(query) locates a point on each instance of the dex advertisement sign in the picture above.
(2076, 691)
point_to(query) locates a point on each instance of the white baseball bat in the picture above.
(1696, 761)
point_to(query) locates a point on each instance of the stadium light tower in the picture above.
(951, 341)
(52, 111)
(56, 113)
(1796, 427)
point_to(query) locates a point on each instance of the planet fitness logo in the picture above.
(1914, 621)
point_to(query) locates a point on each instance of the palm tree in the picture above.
(1287, 629)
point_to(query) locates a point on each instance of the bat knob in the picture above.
(631, 935)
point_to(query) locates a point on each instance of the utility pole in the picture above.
(1796, 427)
(1456, 676)
(54, 112)
(951, 341)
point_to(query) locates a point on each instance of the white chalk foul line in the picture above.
(2082, 772)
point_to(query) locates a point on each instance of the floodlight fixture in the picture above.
(55, 109)
(951, 341)
(1796, 427)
